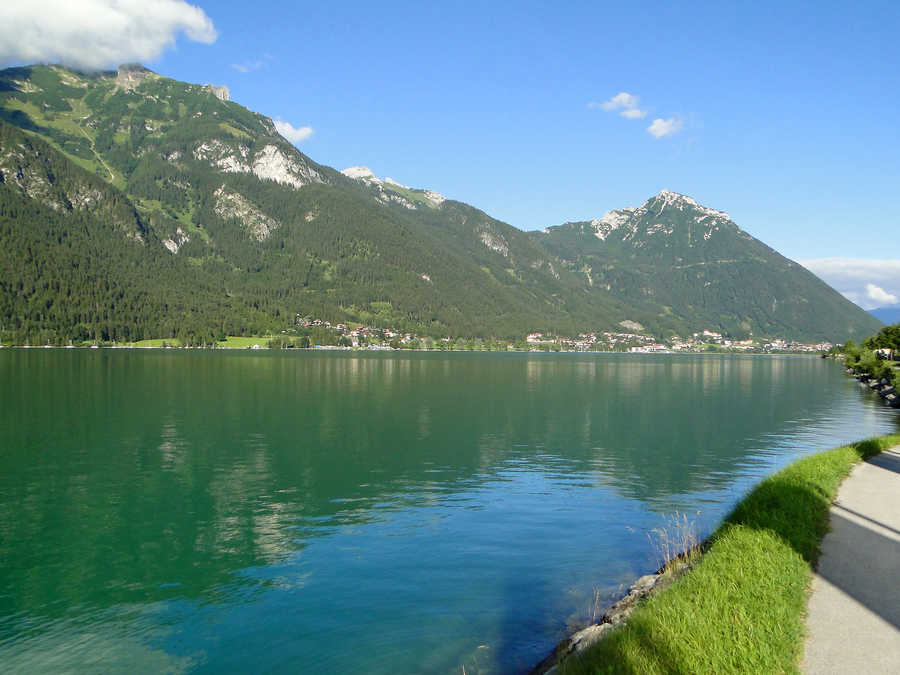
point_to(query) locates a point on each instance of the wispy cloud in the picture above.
(248, 66)
(661, 128)
(860, 269)
(251, 65)
(868, 282)
(290, 132)
(97, 33)
(627, 105)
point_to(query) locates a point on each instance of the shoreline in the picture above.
(618, 612)
(736, 600)
(330, 348)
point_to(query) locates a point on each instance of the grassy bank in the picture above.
(230, 342)
(742, 606)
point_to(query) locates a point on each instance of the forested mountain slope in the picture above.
(135, 206)
(255, 229)
(682, 265)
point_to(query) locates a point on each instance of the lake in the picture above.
(197, 511)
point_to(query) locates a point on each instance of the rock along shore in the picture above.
(618, 613)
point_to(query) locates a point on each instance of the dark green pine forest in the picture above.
(133, 206)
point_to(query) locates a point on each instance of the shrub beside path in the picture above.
(853, 620)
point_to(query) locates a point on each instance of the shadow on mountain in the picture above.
(19, 118)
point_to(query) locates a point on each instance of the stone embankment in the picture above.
(883, 388)
(617, 614)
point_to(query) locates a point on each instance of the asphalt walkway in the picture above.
(854, 610)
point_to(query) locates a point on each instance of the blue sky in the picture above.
(783, 114)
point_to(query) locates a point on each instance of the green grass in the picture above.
(230, 342)
(69, 124)
(62, 121)
(234, 342)
(156, 343)
(234, 131)
(742, 607)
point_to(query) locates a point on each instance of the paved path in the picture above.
(854, 611)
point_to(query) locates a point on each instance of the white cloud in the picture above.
(292, 133)
(97, 33)
(621, 100)
(879, 295)
(627, 105)
(661, 128)
(869, 283)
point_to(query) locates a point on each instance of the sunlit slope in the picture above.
(683, 266)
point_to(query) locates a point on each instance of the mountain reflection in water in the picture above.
(208, 511)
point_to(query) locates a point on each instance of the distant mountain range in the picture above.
(887, 315)
(135, 206)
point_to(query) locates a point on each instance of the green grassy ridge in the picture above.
(742, 607)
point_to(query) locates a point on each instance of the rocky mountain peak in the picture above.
(220, 91)
(663, 214)
(666, 199)
(130, 75)
(611, 221)
(360, 173)
(393, 191)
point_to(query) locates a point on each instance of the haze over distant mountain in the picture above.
(135, 206)
(888, 315)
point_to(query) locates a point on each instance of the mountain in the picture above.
(222, 205)
(681, 265)
(887, 315)
(146, 207)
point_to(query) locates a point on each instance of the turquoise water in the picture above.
(343, 512)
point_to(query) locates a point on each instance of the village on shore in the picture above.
(631, 340)
(312, 333)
